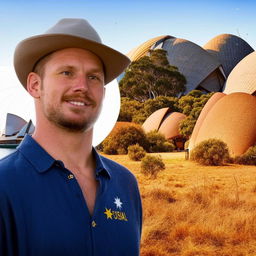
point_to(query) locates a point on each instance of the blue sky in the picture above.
(126, 24)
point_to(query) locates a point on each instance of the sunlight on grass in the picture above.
(192, 210)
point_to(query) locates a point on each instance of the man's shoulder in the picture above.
(9, 163)
(8, 173)
(8, 159)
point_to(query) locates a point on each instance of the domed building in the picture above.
(13, 124)
(225, 65)
(167, 123)
(205, 68)
(228, 50)
(197, 65)
(15, 130)
(230, 118)
(154, 121)
(144, 48)
(170, 128)
(243, 76)
(206, 109)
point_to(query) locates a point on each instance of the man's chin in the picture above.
(73, 124)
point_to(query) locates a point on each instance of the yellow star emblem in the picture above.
(108, 213)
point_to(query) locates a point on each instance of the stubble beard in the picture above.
(56, 116)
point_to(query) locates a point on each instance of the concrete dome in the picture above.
(233, 120)
(228, 50)
(202, 71)
(193, 62)
(170, 125)
(206, 109)
(144, 48)
(243, 76)
(154, 121)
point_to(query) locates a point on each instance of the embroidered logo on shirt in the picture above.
(116, 215)
(118, 203)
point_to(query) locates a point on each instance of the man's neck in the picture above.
(74, 149)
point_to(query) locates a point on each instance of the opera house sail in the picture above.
(15, 130)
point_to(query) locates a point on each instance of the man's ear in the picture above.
(34, 85)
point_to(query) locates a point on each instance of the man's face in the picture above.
(72, 89)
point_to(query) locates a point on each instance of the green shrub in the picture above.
(186, 126)
(211, 152)
(248, 158)
(152, 105)
(139, 118)
(158, 143)
(136, 152)
(109, 148)
(122, 137)
(129, 108)
(191, 105)
(152, 165)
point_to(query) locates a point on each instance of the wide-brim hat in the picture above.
(67, 33)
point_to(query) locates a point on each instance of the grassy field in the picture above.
(194, 210)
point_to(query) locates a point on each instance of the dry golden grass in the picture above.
(193, 210)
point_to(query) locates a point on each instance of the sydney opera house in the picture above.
(15, 130)
(226, 65)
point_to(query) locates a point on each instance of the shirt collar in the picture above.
(100, 165)
(42, 161)
(35, 154)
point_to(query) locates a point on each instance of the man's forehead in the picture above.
(70, 54)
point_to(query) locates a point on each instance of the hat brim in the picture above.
(30, 50)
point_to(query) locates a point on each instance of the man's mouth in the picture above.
(78, 103)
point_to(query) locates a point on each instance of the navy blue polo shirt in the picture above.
(43, 211)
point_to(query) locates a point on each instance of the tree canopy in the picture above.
(135, 111)
(191, 105)
(150, 77)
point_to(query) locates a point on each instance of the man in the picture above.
(57, 195)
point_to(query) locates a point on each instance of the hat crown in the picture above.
(75, 27)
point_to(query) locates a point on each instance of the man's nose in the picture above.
(81, 84)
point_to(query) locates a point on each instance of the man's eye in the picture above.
(92, 77)
(66, 73)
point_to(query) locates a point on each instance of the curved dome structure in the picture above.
(194, 63)
(166, 122)
(205, 68)
(154, 121)
(143, 49)
(202, 71)
(232, 119)
(228, 50)
(206, 109)
(170, 125)
(13, 125)
(243, 76)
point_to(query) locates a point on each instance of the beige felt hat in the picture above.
(67, 33)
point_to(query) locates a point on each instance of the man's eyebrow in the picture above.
(66, 67)
(97, 70)
(70, 67)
